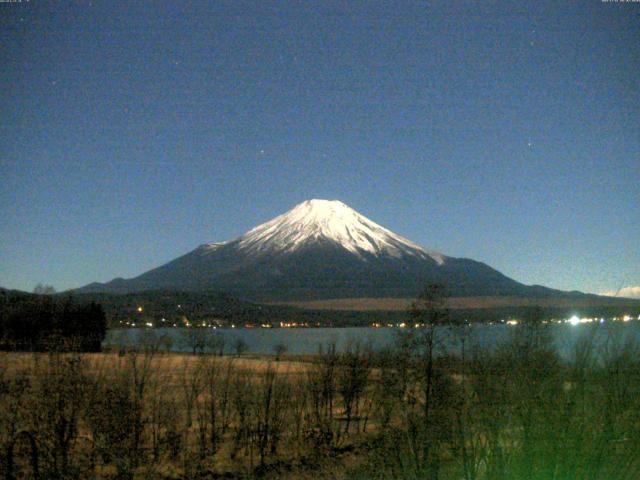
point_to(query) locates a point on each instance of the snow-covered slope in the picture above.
(330, 220)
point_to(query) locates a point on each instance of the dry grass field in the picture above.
(170, 415)
(405, 414)
(165, 365)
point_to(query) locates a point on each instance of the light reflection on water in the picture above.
(302, 341)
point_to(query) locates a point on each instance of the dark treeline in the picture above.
(34, 322)
(516, 411)
(224, 309)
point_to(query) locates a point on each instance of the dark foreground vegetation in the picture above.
(32, 322)
(513, 412)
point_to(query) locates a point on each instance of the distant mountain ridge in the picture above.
(318, 250)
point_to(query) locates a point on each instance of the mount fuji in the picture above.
(319, 250)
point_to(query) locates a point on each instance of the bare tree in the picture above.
(429, 314)
(194, 339)
(270, 403)
(60, 394)
(213, 409)
(279, 350)
(241, 401)
(352, 378)
(321, 384)
(240, 346)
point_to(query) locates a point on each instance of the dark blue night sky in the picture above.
(507, 132)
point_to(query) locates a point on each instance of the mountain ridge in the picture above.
(322, 249)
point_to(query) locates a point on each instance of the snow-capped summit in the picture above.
(331, 220)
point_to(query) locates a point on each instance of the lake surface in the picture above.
(308, 340)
